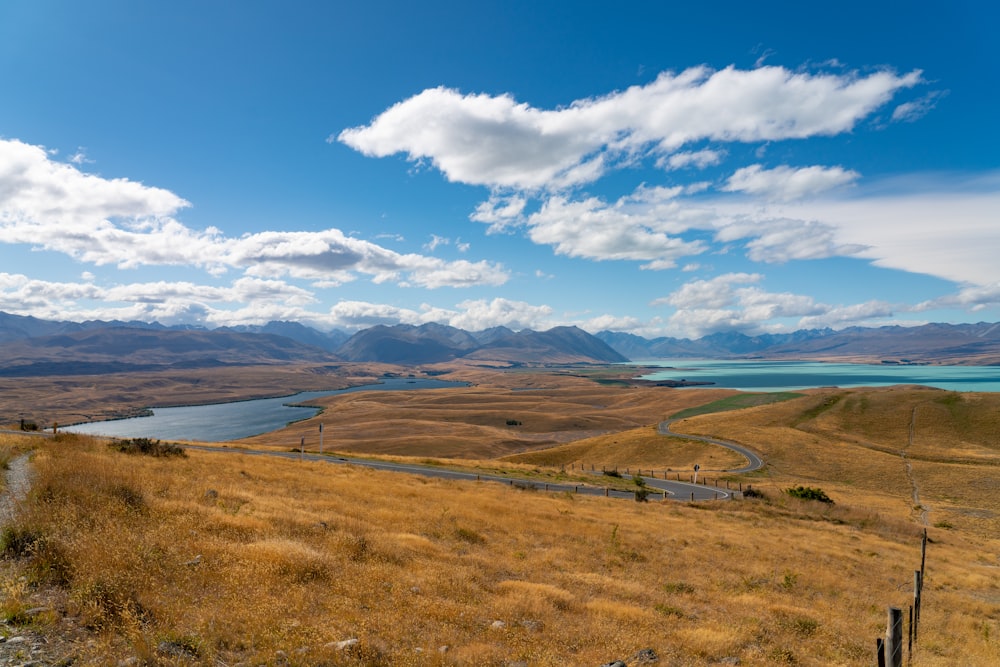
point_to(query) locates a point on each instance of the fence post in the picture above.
(894, 638)
(918, 584)
(880, 651)
(909, 642)
(692, 496)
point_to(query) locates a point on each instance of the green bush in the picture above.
(809, 493)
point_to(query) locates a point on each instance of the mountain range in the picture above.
(31, 347)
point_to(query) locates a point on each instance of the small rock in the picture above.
(211, 494)
(534, 626)
(498, 625)
(345, 644)
(194, 561)
(16, 640)
(730, 660)
(646, 656)
(443, 649)
(415, 590)
(616, 663)
(516, 663)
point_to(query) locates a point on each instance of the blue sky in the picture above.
(656, 168)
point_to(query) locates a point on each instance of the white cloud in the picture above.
(786, 183)
(781, 240)
(861, 314)
(54, 206)
(933, 228)
(697, 159)
(643, 231)
(498, 142)
(471, 315)
(733, 301)
(914, 110)
(436, 241)
(480, 314)
(499, 212)
(971, 297)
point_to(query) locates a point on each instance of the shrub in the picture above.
(751, 492)
(809, 493)
(16, 542)
(147, 447)
(612, 473)
(513, 422)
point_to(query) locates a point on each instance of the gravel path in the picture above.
(18, 476)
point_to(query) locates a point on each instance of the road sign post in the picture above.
(696, 469)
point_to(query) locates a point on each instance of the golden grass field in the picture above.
(223, 559)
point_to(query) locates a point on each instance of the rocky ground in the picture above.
(22, 641)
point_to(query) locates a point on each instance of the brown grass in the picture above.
(246, 559)
(472, 422)
(237, 559)
(635, 448)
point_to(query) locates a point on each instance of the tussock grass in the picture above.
(634, 448)
(219, 558)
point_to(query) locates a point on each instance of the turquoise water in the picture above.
(747, 375)
(218, 422)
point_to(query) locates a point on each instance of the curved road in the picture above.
(671, 489)
(754, 462)
(674, 490)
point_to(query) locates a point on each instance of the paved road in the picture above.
(672, 490)
(754, 462)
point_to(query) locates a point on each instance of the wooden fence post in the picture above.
(880, 651)
(909, 643)
(918, 584)
(894, 638)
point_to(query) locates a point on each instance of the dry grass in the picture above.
(635, 448)
(472, 422)
(245, 559)
(223, 558)
(930, 453)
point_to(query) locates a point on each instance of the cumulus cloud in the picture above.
(54, 206)
(786, 182)
(498, 142)
(471, 315)
(971, 297)
(499, 212)
(735, 302)
(641, 228)
(480, 314)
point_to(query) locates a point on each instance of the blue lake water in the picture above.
(218, 422)
(754, 375)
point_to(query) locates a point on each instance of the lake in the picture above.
(218, 422)
(756, 375)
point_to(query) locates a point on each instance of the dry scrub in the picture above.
(224, 559)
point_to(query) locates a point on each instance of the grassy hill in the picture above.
(221, 558)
